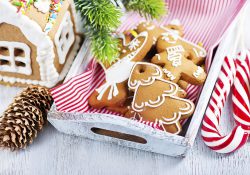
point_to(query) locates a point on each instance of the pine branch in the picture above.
(101, 18)
(99, 13)
(104, 46)
(147, 8)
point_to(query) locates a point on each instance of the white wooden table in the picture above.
(56, 153)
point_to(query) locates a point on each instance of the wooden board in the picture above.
(56, 153)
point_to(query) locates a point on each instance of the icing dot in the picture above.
(175, 22)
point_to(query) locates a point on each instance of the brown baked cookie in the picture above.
(174, 26)
(183, 84)
(156, 31)
(113, 92)
(176, 66)
(171, 42)
(124, 39)
(155, 99)
(153, 29)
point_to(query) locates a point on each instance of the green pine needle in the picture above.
(147, 8)
(101, 17)
(99, 13)
(104, 46)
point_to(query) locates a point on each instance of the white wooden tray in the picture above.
(143, 137)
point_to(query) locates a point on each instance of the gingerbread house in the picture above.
(38, 41)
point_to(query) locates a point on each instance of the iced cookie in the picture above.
(124, 39)
(155, 99)
(113, 92)
(176, 66)
(170, 41)
(153, 29)
(174, 26)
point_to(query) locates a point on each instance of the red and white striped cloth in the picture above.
(234, 73)
(200, 20)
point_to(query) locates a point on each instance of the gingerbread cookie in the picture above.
(124, 39)
(183, 84)
(176, 66)
(150, 27)
(174, 26)
(155, 99)
(172, 42)
(113, 92)
(156, 31)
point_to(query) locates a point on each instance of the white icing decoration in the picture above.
(198, 72)
(158, 56)
(175, 58)
(176, 32)
(44, 46)
(154, 40)
(120, 71)
(200, 53)
(161, 99)
(169, 74)
(12, 59)
(133, 44)
(170, 37)
(175, 22)
(42, 5)
(172, 34)
(64, 37)
(124, 51)
(123, 38)
(148, 26)
(134, 84)
(174, 49)
(175, 55)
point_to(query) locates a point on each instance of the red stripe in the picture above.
(204, 128)
(227, 142)
(209, 122)
(243, 141)
(239, 97)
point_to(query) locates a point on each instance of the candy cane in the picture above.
(210, 126)
(241, 94)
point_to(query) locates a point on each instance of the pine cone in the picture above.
(24, 118)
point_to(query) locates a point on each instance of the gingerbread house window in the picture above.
(64, 37)
(15, 57)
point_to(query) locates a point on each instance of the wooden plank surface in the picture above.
(56, 153)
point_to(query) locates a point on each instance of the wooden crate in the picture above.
(132, 133)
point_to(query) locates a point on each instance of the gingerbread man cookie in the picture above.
(156, 31)
(113, 92)
(174, 26)
(155, 99)
(169, 41)
(153, 30)
(176, 66)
